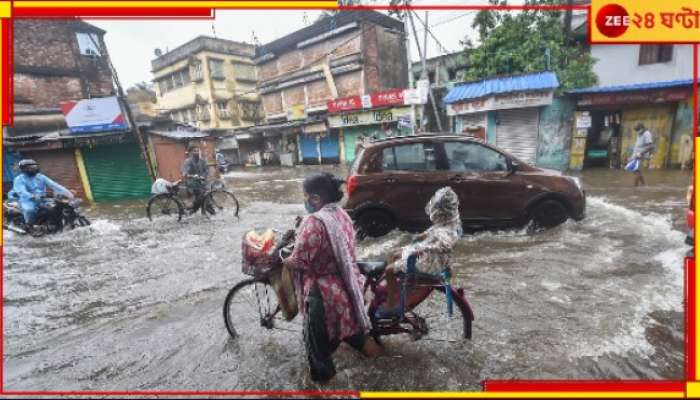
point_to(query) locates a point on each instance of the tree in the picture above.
(527, 42)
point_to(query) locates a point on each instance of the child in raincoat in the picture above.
(434, 248)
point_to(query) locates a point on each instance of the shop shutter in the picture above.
(309, 151)
(60, 166)
(350, 137)
(117, 172)
(330, 153)
(517, 133)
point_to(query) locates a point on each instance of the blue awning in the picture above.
(633, 87)
(487, 87)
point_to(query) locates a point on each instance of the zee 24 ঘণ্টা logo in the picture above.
(613, 20)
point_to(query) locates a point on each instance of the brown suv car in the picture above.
(392, 180)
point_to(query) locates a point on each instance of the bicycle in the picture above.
(213, 200)
(253, 302)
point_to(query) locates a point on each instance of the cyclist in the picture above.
(195, 172)
(29, 188)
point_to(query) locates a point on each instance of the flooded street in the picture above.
(131, 304)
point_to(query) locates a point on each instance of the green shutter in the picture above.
(117, 172)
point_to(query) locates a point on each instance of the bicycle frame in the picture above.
(422, 285)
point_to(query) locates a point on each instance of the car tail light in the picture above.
(351, 184)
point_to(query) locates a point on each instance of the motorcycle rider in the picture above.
(29, 188)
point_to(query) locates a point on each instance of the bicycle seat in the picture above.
(372, 269)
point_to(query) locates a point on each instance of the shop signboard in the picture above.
(387, 98)
(296, 112)
(583, 121)
(502, 102)
(372, 117)
(101, 114)
(650, 97)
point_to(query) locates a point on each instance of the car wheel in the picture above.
(374, 223)
(548, 214)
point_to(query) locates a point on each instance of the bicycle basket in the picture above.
(257, 249)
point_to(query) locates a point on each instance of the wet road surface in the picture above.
(127, 304)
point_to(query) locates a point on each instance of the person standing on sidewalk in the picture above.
(643, 148)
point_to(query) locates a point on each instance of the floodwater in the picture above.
(128, 304)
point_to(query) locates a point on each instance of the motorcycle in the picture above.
(54, 214)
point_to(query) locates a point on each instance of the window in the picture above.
(177, 80)
(245, 72)
(88, 44)
(222, 109)
(655, 53)
(463, 157)
(196, 71)
(216, 68)
(409, 157)
(185, 77)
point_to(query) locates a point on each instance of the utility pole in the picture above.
(410, 69)
(424, 73)
(567, 21)
(130, 117)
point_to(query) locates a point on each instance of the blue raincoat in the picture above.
(29, 190)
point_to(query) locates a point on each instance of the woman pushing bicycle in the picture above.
(329, 284)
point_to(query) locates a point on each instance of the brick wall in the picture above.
(46, 91)
(49, 67)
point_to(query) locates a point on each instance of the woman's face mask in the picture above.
(309, 204)
(309, 208)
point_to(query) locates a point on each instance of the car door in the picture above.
(405, 167)
(489, 194)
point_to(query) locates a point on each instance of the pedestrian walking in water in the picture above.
(643, 149)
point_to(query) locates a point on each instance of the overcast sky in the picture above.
(131, 43)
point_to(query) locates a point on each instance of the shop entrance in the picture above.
(603, 140)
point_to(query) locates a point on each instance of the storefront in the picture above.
(228, 146)
(169, 148)
(604, 133)
(354, 120)
(270, 144)
(503, 111)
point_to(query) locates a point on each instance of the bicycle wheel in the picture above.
(164, 206)
(221, 201)
(252, 304)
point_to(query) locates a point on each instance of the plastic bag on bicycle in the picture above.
(257, 251)
(261, 261)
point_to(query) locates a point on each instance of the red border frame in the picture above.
(488, 385)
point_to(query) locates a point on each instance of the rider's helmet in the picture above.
(29, 167)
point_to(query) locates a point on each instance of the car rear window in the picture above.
(409, 157)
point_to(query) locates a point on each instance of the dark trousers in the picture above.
(319, 348)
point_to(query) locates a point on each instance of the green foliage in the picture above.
(526, 42)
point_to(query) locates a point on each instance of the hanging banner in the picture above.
(94, 115)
